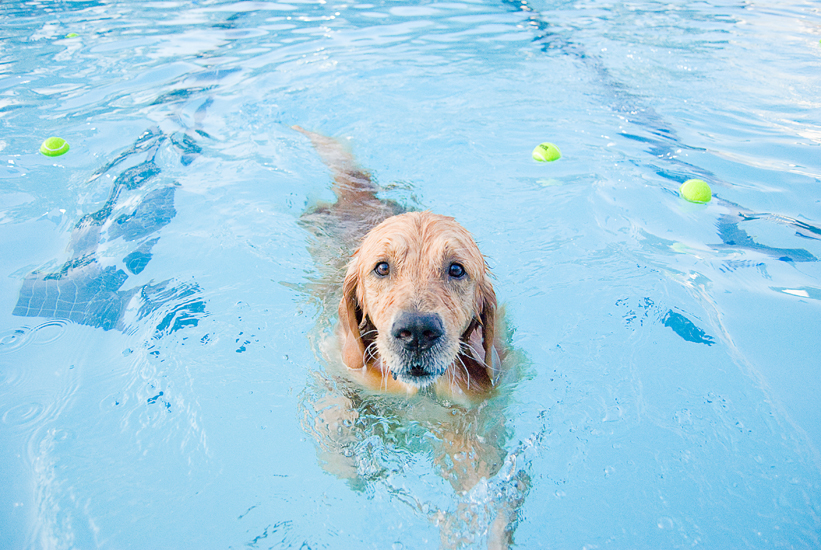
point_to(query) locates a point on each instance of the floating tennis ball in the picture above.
(54, 147)
(546, 152)
(695, 191)
(72, 35)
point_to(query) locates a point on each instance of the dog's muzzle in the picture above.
(417, 341)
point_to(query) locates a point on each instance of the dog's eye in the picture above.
(456, 271)
(382, 269)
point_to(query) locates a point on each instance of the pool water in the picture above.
(164, 324)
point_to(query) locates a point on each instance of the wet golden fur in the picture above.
(420, 247)
(462, 368)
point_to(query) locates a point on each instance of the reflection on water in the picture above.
(85, 292)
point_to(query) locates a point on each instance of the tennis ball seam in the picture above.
(54, 147)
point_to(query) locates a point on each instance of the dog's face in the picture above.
(415, 295)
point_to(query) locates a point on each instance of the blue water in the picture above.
(162, 330)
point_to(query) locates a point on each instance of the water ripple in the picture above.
(48, 332)
(24, 414)
(14, 339)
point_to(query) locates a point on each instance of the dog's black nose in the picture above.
(418, 331)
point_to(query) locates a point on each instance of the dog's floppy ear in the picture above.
(350, 314)
(486, 306)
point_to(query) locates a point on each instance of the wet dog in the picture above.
(418, 308)
(417, 315)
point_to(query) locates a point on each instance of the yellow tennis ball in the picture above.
(695, 191)
(54, 147)
(546, 152)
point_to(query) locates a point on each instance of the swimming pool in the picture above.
(162, 318)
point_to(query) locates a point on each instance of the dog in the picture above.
(418, 310)
(418, 317)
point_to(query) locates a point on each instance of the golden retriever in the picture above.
(417, 313)
(418, 310)
(418, 307)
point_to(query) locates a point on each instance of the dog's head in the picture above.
(416, 293)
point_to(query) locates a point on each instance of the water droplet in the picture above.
(665, 523)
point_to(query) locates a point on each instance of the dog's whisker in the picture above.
(367, 333)
(372, 350)
(474, 353)
(467, 372)
(469, 350)
(369, 354)
(452, 375)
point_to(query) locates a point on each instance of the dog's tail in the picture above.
(351, 183)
